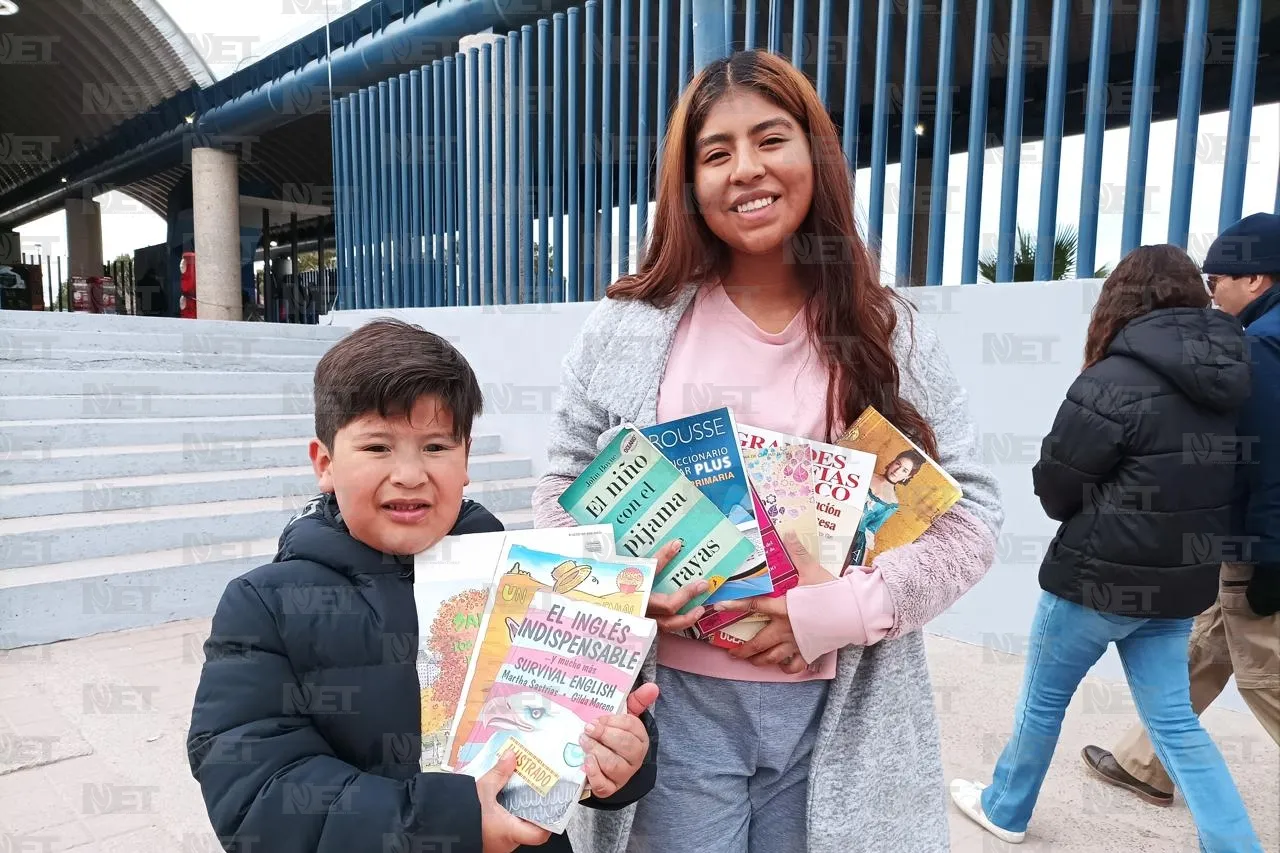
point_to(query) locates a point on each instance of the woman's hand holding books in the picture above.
(664, 608)
(776, 642)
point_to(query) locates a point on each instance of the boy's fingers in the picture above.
(622, 739)
(496, 779)
(601, 785)
(524, 833)
(642, 698)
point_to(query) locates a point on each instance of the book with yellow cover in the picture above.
(908, 490)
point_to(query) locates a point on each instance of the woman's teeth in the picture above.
(747, 207)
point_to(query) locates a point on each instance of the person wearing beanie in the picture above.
(1240, 633)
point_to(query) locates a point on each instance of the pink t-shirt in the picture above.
(776, 381)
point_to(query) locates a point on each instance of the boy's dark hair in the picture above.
(386, 366)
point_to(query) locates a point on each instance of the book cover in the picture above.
(649, 502)
(783, 478)
(452, 583)
(618, 584)
(908, 490)
(569, 663)
(841, 478)
(705, 447)
(450, 591)
(782, 572)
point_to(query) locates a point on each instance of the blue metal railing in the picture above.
(522, 170)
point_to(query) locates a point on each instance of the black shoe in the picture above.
(1105, 765)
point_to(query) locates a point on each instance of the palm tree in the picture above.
(1065, 244)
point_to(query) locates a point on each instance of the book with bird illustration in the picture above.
(452, 583)
(568, 663)
(621, 584)
(705, 447)
(650, 502)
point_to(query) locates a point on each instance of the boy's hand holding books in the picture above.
(776, 642)
(501, 831)
(616, 745)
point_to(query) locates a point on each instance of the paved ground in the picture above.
(92, 751)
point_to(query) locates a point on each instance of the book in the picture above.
(783, 479)
(840, 479)
(569, 663)
(452, 583)
(705, 447)
(649, 502)
(907, 491)
(782, 572)
(619, 584)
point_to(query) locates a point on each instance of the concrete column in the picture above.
(215, 193)
(84, 237)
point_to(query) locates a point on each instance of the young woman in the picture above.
(1138, 469)
(882, 501)
(820, 734)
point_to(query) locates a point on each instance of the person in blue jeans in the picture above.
(1138, 468)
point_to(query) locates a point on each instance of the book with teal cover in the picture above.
(649, 502)
(705, 447)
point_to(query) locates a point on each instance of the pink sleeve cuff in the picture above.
(854, 610)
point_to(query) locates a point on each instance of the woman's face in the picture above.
(899, 470)
(752, 173)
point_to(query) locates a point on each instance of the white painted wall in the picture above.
(1015, 347)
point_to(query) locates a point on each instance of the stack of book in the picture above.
(528, 636)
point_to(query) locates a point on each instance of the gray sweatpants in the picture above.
(733, 766)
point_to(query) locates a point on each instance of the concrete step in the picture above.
(49, 465)
(231, 360)
(154, 490)
(200, 527)
(17, 343)
(145, 404)
(49, 603)
(131, 384)
(70, 321)
(196, 433)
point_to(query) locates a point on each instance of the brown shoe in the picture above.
(1105, 765)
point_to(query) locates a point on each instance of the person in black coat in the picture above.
(305, 731)
(1139, 469)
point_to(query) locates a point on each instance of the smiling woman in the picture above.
(819, 734)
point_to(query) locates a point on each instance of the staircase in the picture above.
(145, 462)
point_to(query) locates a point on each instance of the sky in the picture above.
(127, 225)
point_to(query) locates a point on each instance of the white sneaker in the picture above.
(968, 796)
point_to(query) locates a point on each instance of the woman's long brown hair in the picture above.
(851, 316)
(1146, 279)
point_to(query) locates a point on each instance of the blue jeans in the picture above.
(1066, 640)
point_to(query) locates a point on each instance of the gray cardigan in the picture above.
(876, 781)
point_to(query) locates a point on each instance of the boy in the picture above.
(305, 731)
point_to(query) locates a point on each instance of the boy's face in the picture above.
(398, 482)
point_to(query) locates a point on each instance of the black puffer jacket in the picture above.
(1140, 468)
(305, 732)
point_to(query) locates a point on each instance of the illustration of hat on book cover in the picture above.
(908, 490)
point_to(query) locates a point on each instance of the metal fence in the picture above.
(55, 283)
(521, 170)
